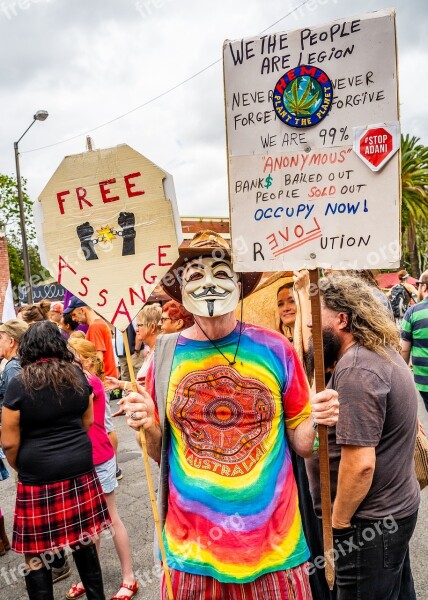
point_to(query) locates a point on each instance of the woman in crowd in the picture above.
(47, 411)
(294, 312)
(36, 312)
(105, 466)
(293, 321)
(175, 317)
(68, 326)
(148, 327)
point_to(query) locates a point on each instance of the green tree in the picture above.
(10, 222)
(414, 187)
(9, 207)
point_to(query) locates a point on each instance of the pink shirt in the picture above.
(102, 450)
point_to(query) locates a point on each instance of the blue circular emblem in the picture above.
(303, 96)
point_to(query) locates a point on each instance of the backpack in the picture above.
(400, 300)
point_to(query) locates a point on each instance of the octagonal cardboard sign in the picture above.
(108, 229)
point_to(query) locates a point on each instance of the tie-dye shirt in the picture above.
(233, 506)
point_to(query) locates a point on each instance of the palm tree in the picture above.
(414, 187)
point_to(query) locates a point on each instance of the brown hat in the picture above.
(204, 243)
(403, 274)
(15, 328)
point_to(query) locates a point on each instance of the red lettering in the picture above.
(133, 293)
(280, 86)
(322, 78)
(61, 200)
(129, 185)
(62, 264)
(82, 281)
(162, 255)
(153, 278)
(105, 191)
(305, 71)
(121, 310)
(102, 294)
(81, 197)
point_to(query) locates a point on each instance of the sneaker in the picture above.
(119, 473)
(58, 574)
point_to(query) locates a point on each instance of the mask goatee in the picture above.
(210, 304)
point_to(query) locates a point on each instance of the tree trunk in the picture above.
(413, 249)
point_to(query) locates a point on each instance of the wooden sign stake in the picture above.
(322, 430)
(149, 475)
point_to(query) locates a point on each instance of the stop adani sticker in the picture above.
(377, 144)
(303, 96)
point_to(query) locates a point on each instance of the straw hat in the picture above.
(204, 243)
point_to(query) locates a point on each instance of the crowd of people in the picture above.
(231, 419)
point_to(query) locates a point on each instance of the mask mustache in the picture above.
(209, 292)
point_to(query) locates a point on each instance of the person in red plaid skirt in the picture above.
(47, 411)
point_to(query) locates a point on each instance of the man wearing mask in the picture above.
(235, 398)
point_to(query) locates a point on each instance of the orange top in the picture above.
(99, 334)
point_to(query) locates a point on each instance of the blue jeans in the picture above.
(372, 559)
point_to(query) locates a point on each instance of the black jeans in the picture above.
(372, 560)
(424, 396)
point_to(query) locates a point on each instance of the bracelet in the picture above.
(316, 444)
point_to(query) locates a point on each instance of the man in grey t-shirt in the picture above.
(375, 492)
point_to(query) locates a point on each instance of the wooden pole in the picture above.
(149, 475)
(322, 430)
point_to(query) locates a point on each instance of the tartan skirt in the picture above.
(58, 515)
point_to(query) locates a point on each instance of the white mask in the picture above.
(210, 287)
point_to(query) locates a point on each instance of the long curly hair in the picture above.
(46, 360)
(368, 321)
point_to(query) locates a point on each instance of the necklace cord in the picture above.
(230, 363)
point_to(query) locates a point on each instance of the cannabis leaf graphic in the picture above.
(306, 102)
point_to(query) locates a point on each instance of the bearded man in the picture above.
(236, 397)
(374, 488)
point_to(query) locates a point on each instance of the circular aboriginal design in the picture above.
(225, 413)
(224, 419)
(303, 96)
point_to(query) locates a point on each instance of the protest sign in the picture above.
(108, 229)
(300, 195)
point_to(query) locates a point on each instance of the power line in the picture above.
(162, 94)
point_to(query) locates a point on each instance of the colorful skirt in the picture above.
(59, 515)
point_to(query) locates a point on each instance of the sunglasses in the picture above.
(418, 283)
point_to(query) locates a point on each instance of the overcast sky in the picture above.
(90, 61)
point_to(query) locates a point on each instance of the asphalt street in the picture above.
(135, 510)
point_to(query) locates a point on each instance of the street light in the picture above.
(41, 115)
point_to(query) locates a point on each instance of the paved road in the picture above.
(134, 507)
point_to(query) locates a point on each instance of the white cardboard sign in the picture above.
(299, 195)
(108, 229)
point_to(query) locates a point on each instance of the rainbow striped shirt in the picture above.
(233, 506)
